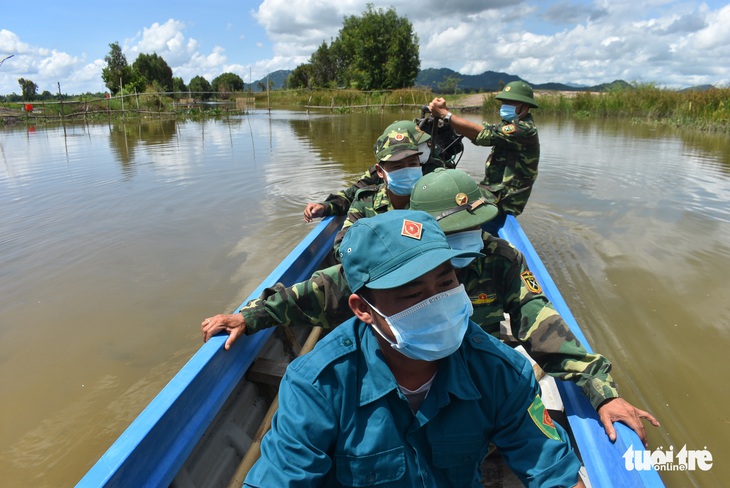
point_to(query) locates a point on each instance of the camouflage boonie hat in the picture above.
(453, 198)
(395, 144)
(420, 135)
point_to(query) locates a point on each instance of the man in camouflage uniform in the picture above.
(338, 203)
(396, 151)
(511, 168)
(499, 283)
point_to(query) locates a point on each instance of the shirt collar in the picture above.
(376, 380)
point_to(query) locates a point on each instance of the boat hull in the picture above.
(155, 449)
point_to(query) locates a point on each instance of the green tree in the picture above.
(117, 71)
(200, 85)
(450, 84)
(178, 85)
(154, 68)
(376, 51)
(323, 67)
(135, 82)
(300, 77)
(226, 83)
(28, 89)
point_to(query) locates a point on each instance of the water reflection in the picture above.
(346, 144)
(115, 239)
(125, 136)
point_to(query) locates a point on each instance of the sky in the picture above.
(673, 44)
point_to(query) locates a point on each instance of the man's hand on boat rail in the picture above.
(619, 410)
(313, 211)
(233, 323)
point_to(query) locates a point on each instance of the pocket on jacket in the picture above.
(371, 469)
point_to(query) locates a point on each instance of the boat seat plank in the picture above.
(267, 371)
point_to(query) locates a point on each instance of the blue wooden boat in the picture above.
(196, 431)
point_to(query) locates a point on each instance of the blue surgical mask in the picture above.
(402, 181)
(431, 329)
(468, 240)
(508, 112)
(425, 152)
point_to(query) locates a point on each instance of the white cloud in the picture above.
(58, 65)
(673, 43)
(167, 40)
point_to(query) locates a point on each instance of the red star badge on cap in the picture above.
(411, 229)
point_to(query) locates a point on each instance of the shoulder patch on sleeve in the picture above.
(542, 419)
(509, 128)
(530, 282)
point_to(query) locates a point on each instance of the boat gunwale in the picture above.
(598, 453)
(199, 390)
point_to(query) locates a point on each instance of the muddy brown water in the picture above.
(117, 239)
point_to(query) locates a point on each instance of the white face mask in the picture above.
(425, 152)
(431, 329)
(468, 240)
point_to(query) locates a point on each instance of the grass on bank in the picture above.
(703, 110)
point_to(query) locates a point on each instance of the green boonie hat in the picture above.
(453, 198)
(394, 248)
(395, 144)
(410, 126)
(518, 91)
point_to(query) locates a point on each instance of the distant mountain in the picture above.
(278, 78)
(614, 85)
(700, 88)
(435, 78)
(488, 81)
(494, 81)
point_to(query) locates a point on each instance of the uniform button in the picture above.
(370, 478)
(347, 342)
(478, 339)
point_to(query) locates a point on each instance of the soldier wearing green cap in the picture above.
(409, 391)
(498, 283)
(399, 166)
(511, 168)
(338, 203)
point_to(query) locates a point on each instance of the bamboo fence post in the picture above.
(60, 97)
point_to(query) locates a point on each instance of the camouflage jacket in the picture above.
(498, 283)
(511, 168)
(368, 202)
(338, 203)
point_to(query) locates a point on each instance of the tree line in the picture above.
(375, 51)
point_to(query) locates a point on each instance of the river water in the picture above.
(117, 239)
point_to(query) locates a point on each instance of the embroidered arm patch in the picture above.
(530, 282)
(542, 419)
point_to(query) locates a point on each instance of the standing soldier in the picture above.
(511, 168)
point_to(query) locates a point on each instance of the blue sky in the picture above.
(671, 43)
